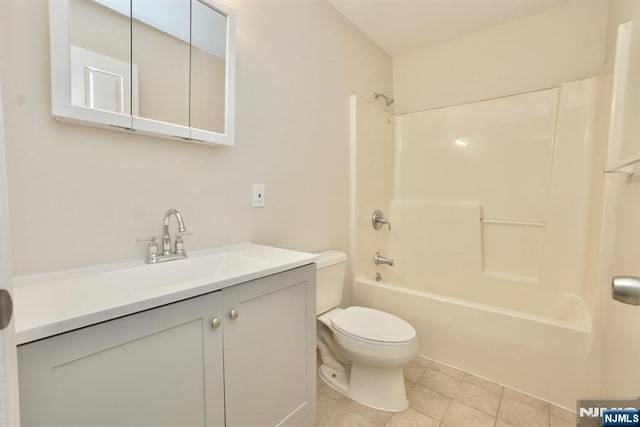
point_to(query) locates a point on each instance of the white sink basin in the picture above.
(212, 267)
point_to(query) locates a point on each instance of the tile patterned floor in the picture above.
(440, 395)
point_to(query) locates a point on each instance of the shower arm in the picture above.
(387, 99)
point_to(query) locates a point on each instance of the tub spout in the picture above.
(379, 259)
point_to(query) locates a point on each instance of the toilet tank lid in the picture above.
(327, 258)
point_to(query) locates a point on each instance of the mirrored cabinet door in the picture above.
(91, 70)
(208, 67)
(160, 49)
(99, 40)
(212, 72)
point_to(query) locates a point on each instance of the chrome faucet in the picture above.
(166, 238)
(379, 259)
(168, 253)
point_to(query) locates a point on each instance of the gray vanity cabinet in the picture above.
(170, 366)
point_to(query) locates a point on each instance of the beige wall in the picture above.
(80, 196)
(541, 51)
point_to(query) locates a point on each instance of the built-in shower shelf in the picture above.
(513, 222)
(626, 165)
(512, 277)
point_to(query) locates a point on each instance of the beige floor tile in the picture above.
(439, 382)
(326, 389)
(512, 394)
(448, 370)
(483, 383)
(355, 419)
(408, 385)
(442, 395)
(329, 409)
(413, 371)
(375, 415)
(423, 361)
(564, 414)
(478, 398)
(559, 422)
(429, 402)
(460, 415)
(411, 418)
(520, 414)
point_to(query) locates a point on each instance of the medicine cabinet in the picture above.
(158, 68)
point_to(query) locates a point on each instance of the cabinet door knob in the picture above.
(216, 323)
(234, 313)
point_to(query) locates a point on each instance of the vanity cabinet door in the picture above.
(269, 350)
(161, 367)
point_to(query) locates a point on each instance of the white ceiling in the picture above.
(402, 26)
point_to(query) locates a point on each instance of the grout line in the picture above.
(446, 412)
(499, 405)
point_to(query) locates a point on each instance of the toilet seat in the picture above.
(373, 327)
(372, 337)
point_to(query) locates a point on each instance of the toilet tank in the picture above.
(331, 267)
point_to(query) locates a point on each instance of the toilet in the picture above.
(362, 350)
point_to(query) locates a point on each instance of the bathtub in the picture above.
(545, 355)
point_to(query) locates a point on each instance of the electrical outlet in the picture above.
(258, 195)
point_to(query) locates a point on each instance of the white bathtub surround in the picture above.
(504, 220)
(492, 228)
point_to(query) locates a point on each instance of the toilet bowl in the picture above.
(362, 350)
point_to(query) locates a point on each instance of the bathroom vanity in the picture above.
(234, 348)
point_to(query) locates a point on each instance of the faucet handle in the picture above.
(152, 249)
(378, 220)
(179, 244)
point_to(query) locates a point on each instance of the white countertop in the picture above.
(53, 303)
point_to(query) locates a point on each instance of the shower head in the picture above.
(387, 99)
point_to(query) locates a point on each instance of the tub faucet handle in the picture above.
(378, 220)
